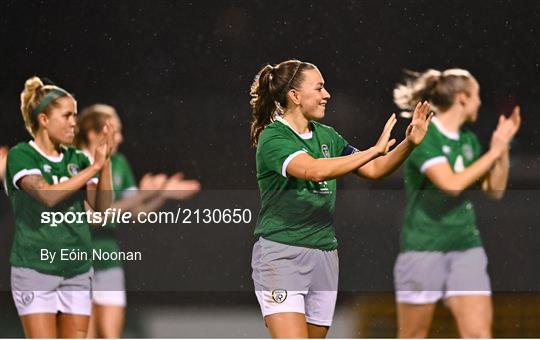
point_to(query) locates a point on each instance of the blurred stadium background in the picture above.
(179, 74)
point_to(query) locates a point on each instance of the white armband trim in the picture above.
(432, 161)
(92, 180)
(288, 160)
(130, 192)
(22, 173)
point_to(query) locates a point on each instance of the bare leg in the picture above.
(72, 325)
(109, 320)
(39, 325)
(414, 320)
(473, 314)
(287, 325)
(316, 331)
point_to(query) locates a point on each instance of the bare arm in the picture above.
(51, 194)
(416, 131)
(494, 184)
(453, 183)
(101, 197)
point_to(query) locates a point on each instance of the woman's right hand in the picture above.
(383, 145)
(103, 149)
(505, 131)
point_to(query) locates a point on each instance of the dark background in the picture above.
(179, 75)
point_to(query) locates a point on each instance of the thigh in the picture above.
(109, 320)
(287, 325)
(473, 314)
(414, 320)
(317, 332)
(72, 325)
(39, 325)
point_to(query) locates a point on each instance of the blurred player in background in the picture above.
(52, 296)
(441, 252)
(295, 262)
(109, 296)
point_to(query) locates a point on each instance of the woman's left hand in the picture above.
(419, 125)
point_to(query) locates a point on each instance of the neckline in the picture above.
(307, 135)
(54, 159)
(443, 130)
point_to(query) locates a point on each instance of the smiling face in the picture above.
(60, 120)
(311, 96)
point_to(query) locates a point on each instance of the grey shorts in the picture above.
(108, 287)
(35, 292)
(422, 277)
(295, 279)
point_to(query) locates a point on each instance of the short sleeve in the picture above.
(277, 150)
(20, 163)
(128, 184)
(342, 146)
(428, 153)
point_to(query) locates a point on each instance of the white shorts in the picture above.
(108, 287)
(34, 292)
(422, 277)
(295, 279)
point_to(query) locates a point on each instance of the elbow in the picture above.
(452, 190)
(495, 195)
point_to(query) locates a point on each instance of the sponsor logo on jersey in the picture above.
(73, 169)
(325, 151)
(468, 152)
(446, 149)
(458, 165)
(47, 168)
(279, 295)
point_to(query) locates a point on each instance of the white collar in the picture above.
(53, 159)
(440, 127)
(307, 135)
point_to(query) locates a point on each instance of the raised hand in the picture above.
(514, 120)
(384, 143)
(179, 188)
(416, 131)
(3, 159)
(505, 131)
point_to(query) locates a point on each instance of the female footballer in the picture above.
(441, 252)
(108, 287)
(50, 286)
(295, 262)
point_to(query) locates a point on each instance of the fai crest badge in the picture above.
(27, 298)
(325, 151)
(73, 169)
(468, 152)
(279, 295)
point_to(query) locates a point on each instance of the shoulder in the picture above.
(272, 130)
(21, 148)
(20, 152)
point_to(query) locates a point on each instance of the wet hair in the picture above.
(92, 118)
(38, 97)
(439, 88)
(269, 92)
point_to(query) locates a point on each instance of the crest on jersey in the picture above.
(47, 168)
(325, 151)
(27, 298)
(279, 295)
(73, 169)
(468, 152)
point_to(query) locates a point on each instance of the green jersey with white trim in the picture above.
(295, 211)
(434, 220)
(104, 238)
(34, 232)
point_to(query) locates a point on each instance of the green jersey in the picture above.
(33, 235)
(295, 211)
(124, 184)
(435, 221)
